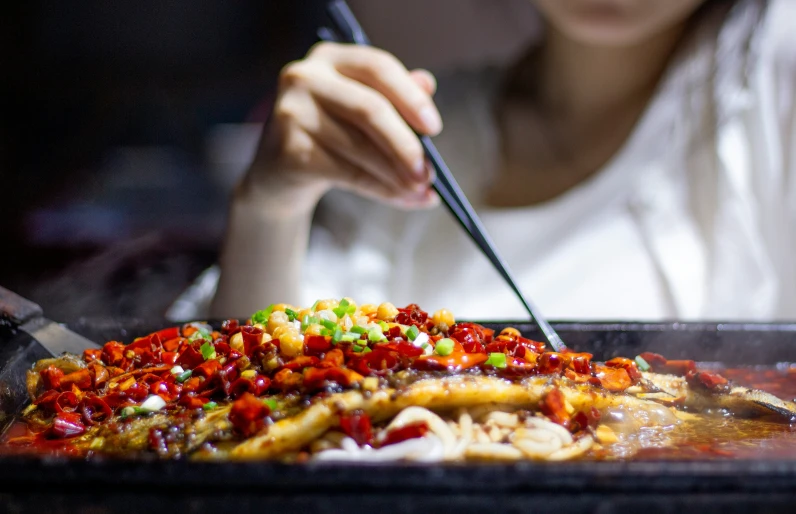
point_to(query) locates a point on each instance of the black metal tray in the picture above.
(55, 484)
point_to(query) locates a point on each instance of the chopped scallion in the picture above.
(331, 325)
(375, 334)
(291, 314)
(384, 326)
(210, 406)
(263, 315)
(208, 351)
(444, 346)
(642, 364)
(185, 375)
(412, 333)
(358, 348)
(359, 330)
(497, 360)
(315, 306)
(366, 350)
(350, 338)
(337, 336)
(271, 403)
(326, 332)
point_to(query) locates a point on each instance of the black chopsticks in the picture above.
(346, 29)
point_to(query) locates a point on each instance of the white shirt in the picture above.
(692, 219)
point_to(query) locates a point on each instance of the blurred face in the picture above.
(615, 22)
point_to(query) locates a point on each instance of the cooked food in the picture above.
(343, 382)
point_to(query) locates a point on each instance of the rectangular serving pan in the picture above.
(36, 484)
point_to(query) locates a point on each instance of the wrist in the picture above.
(277, 196)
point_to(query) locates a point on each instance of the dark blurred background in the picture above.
(125, 125)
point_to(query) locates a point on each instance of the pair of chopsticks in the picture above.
(346, 29)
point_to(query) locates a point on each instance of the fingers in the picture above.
(384, 73)
(367, 110)
(425, 80)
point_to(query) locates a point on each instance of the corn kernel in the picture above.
(249, 373)
(236, 342)
(510, 331)
(326, 304)
(367, 309)
(303, 313)
(277, 319)
(443, 316)
(260, 326)
(386, 312)
(280, 307)
(281, 331)
(313, 330)
(291, 344)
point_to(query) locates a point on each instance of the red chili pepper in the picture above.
(412, 315)
(410, 431)
(677, 367)
(286, 380)
(301, 362)
(113, 354)
(612, 379)
(191, 401)
(190, 358)
(315, 378)
(333, 359)
(81, 378)
(263, 384)
(51, 377)
(457, 360)
(626, 364)
(241, 386)
(582, 363)
(248, 414)
(708, 380)
(207, 369)
(317, 344)
(377, 362)
(92, 354)
(230, 326)
(94, 410)
(169, 391)
(653, 359)
(252, 336)
(553, 406)
(403, 348)
(167, 333)
(116, 400)
(137, 392)
(169, 358)
(550, 363)
(357, 426)
(67, 424)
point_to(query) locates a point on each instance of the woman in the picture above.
(636, 165)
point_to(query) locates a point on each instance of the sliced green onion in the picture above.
(342, 308)
(384, 326)
(358, 348)
(208, 351)
(367, 350)
(331, 325)
(271, 403)
(412, 333)
(291, 314)
(642, 364)
(210, 406)
(315, 306)
(497, 360)
(344, 303)
(444, 346)
(375, 334)
(326, 332)
(424, 346)
(350, 338)
(337, 336)
(359, 330)
(177, 370)
(196, 336)
(263, 315)
(185, 375)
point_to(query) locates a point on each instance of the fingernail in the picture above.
(431, 120)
